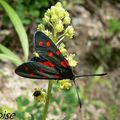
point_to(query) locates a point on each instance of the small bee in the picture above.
(39, 94)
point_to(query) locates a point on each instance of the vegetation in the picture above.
(17, 17)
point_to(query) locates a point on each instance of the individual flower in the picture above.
(47, 13)
(39, 95)
(66, 20)
(41, 27)
(66, 14)
(59, 10)
(58, 4)
(54, 18)
(52, 10)
(36, 54)
(65, 84)
(71, 60)
(69, 32)
(62, 48)
(59, 27)
(48, 33)
(46, 19)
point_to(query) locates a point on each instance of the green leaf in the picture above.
(101, 118)
(114, 25)
(18, 27)
(70, 97)
(19, 104)
(29, 109)
(113, 110)
(70, 101)
(5, 50)
(25, 101)
(14, 60)
(20, 115)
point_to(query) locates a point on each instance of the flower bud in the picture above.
(66, 20)
(59, 27)
(69, 32)
(48, 13)
(66, 14)
(62, 48)
(41, 27)
(54, 18)
(71, 60)
(47, 32)
(60, 12)
(58, 4)
(36, 54)
(46, 19)
(52, 10)
(65, 84)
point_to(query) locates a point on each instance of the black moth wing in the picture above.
(45, 47)
(38, 68)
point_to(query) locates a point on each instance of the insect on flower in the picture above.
(39, 94)
(51, 65)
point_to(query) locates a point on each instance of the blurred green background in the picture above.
(97, 47)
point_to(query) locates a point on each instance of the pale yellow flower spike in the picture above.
(57, 17)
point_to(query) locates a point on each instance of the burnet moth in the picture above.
(51, 65)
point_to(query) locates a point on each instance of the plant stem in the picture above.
(59, 40)
(47, 100)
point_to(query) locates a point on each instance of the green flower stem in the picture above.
(60, 40)
(51, 25)
(61, 36)
(47, 100)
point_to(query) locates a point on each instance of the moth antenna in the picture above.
(101, 74)
(79, 100)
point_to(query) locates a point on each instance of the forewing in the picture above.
(38, 69)
(46, 48)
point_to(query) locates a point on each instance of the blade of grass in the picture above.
(18, 27)
(14, 60)
(5, 50)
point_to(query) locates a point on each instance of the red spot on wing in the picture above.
(57, 52)
(47, 63)
(63, 63)
(66, 61)
(50, 54)
(41, 70)
(44, 77)
(31, 74)
(57, 76)
(26, 68)
(48, 43)
(40, 43)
